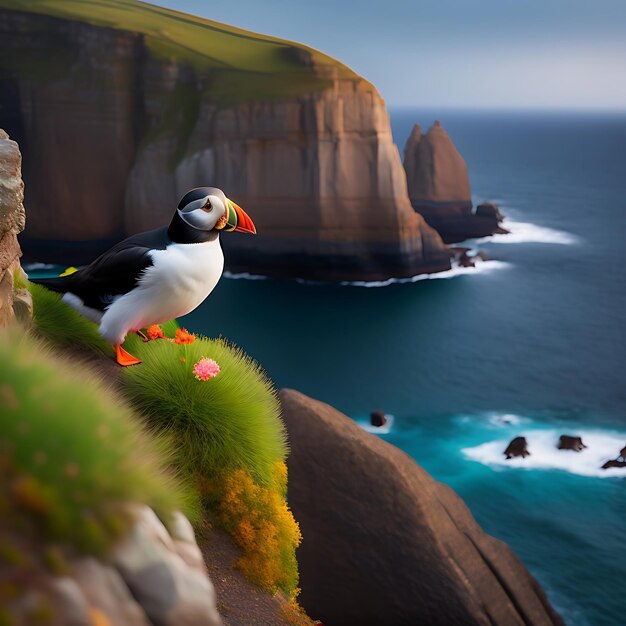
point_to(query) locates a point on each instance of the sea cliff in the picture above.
(118, 121)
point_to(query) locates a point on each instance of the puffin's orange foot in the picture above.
(124, 358)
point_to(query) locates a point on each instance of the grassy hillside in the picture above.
(172, 34)
(224, 427)
(72, 453)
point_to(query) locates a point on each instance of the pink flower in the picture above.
(205, 369)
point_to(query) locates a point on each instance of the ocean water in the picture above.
(529, 343)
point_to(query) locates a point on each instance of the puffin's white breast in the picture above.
(179, 280)
(185, 274)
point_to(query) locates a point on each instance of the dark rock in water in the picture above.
(620, 461)
(463, 257)
(378, 418)
(465, 260)
(489, 209)
(386, 545)
(517, 447)
(569, 442)
(614, 463)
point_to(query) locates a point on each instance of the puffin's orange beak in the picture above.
(239, 220)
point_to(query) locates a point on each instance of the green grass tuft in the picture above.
(226, 437)
(61, 325)
(71, 452)
(181, 35)
(226, 423)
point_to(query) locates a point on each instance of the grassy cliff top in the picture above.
(177, 35)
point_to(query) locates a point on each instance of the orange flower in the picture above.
(155, 332)
(184, 337)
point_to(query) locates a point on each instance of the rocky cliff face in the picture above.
(383, 543)
(439, 186)
(113, 134)
(13, 302)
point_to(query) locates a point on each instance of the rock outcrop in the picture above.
(114, 133)
(154, 577)
(439, 187)
(13, 301)
(570, 442)
(517, 447)
(383, 543)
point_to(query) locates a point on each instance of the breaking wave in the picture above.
(544, 455)
(481, 267)
(525, 232)
(244, 276)
(33, 267)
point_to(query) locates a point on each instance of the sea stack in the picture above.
(439, 187)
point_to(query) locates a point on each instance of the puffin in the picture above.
(157, 275)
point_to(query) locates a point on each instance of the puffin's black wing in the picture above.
(113, 273)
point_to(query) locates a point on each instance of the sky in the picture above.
(456, 53)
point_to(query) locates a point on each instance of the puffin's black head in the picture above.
(207, 208)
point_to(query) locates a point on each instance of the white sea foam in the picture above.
(244, 276)
(502, 420)
(525, 232)
(495, 420)
(32, 267)
(482, 267)
(544, 455)
(377, 430)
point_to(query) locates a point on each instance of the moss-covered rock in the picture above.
(71, 452)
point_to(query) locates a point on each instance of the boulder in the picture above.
(165, 574)
(152, 578)
(622, 453)
(517, 447)
(384, 543)
(439, 187)
(569, 442)
(378, 418)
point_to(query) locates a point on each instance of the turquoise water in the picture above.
(530, 344)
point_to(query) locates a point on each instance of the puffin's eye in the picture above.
(207, 206)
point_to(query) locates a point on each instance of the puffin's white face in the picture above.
(206, 213)
(208, 208)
